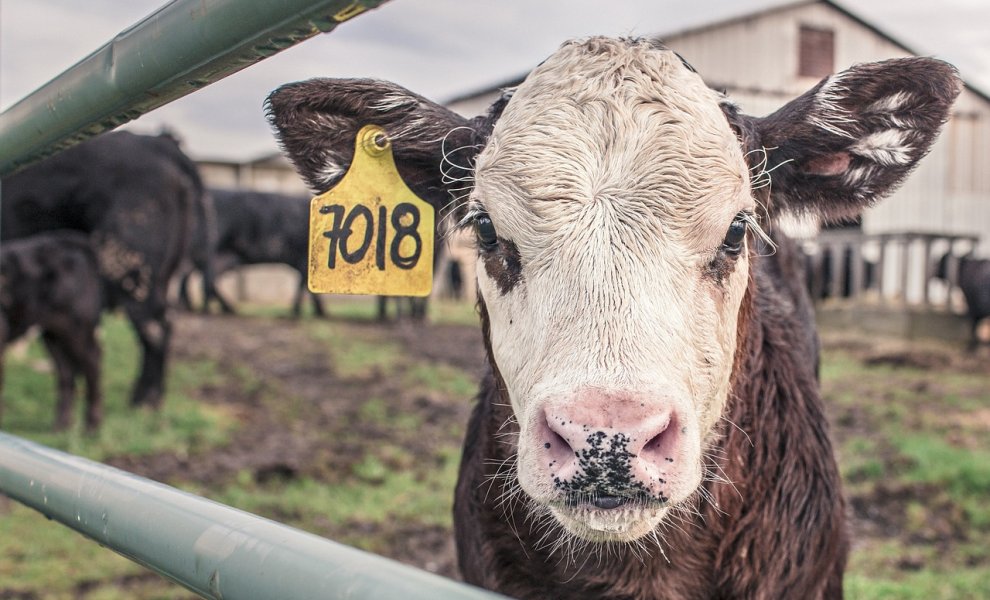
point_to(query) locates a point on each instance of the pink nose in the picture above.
(605, 445)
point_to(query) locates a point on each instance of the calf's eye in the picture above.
(487, 238)
(735, 236)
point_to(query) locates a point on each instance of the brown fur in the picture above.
(780, 532)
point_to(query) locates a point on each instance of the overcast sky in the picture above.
(438, 48)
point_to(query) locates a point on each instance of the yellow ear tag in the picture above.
(371, 234)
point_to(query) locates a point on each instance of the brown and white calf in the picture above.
(651, 426)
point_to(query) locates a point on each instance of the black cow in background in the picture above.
(201, 257)
(52, 280)
(974, 281)
(254, 228)
(136, 197)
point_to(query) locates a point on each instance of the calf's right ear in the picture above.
(316, 122)
(850, 140)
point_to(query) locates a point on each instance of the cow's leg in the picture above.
(298, 298)
(974, 336)
(317, 305)
(418, 308)
(66, 376)
(220, 265)
(154, 332)
(382, 309)
(226, 307)
(184, 301)
(87, 356)
(1, 384)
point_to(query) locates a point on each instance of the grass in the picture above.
(913, 443)
(184, 425)
(914, 448)
(970, 584)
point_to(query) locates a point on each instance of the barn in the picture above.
(763, 59)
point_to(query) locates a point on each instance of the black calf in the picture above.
(52, 281)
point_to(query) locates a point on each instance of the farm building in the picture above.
(270, 173)
(763, 59)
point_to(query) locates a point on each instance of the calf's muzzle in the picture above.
(609, 448)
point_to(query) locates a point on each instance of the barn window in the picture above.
(816, 52)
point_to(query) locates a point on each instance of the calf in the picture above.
(651, 424)
(135, 196)
(257, 228)
(52, 280)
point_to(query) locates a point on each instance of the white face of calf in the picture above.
(611, 202)
(613, 268)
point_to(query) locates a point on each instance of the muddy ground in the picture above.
(323, 436)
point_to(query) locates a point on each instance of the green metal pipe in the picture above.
(214, 550)
(184, 46)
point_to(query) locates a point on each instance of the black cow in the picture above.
(255, 228)
(135, 196)
(974, 281)
(52, 280)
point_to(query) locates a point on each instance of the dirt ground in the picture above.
(325, 436)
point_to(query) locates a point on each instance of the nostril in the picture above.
(664, 439)
(556, 443)
(654, 442)
(557, 447)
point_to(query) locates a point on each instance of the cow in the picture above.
(256, 228)
(650, 425)
(973, 276)
(135, 195)
(52, 281)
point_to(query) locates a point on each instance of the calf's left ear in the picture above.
(851, 139)
(317, 121)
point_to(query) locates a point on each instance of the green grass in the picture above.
(960, 584)
(918, 446)
(184, 425)
(961, 471)
(372, 494)
(442, 378)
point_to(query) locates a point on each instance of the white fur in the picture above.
(828, 114)
(891, 103)
(887, 148)
(330, 172)
(616, 175)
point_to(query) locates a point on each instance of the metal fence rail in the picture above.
(214, 550)
(182, 47)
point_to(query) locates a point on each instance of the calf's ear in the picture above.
(850, 140)
(316, 122)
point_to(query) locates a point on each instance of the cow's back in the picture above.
(133, 194)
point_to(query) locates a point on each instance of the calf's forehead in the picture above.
(619, 121)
